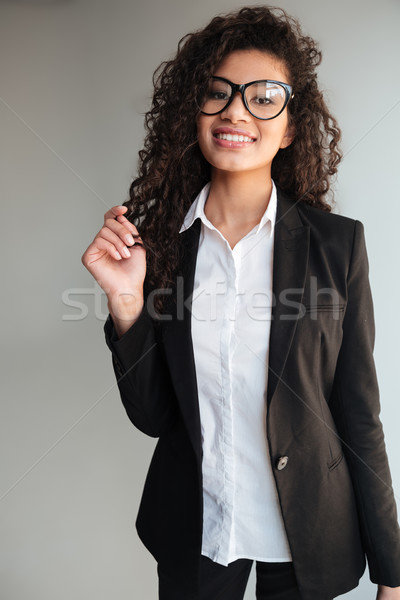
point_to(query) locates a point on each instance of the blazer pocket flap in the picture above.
(324, 307)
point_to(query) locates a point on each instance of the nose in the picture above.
(236, 111)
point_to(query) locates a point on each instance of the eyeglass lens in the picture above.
(264, 99)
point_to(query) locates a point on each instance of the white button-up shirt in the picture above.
(231, 319)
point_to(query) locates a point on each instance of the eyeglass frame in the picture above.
(241, 88)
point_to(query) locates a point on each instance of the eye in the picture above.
(218, 91)
(263, 95)
(217, 95)
(263, 100)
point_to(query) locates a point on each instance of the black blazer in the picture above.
(323, 411)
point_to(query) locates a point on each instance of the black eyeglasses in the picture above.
(264, 99)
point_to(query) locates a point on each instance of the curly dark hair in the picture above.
(172, 169)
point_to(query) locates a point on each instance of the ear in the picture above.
(288, 137)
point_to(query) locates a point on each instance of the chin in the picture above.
(233, 166)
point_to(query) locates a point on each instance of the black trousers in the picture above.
(275, 581)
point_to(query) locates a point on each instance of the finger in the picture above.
(114, 239)
(124, 221)
(103, 244)
(121, 231)
(114, 212)
(131, 229)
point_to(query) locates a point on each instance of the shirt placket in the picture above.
(228, 342)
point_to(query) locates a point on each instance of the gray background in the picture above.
(75, 82)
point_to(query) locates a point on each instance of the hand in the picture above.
(388, 593)
(119, 275)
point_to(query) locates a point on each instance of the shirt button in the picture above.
(281, 462)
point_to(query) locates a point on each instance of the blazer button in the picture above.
(281, 462)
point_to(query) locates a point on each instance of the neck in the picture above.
(238, 197)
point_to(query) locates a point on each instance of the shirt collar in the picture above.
(197, 211)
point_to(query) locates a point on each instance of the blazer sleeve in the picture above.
(142, 375)
(355, 406)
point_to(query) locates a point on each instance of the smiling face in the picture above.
(234, 140)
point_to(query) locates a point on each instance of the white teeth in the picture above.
(233, 137)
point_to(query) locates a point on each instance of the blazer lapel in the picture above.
(177, 339)
(291, 251)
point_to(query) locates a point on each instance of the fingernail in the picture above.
(129, 239)
(126, 252)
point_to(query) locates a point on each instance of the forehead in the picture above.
(242, 66)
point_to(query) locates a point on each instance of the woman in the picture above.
(241, 329)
